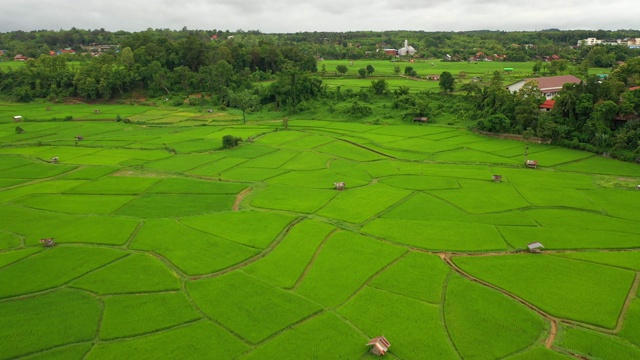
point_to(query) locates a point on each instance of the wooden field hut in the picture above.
(79, 138)
(535, 247)
(48, 242)
(379, 345)
(54, 160)
(339, 185)
(531, 164)
(17, 118)
(496, 178)
(421, 119)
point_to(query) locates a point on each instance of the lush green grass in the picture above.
(264, 229)
(540, 353)
(130, 315)
(176, 205)
(569, 219)
(417, 275)
(437, 235)
(109, 185)
(568, 238)
(75, 351)
(348, 151)
(309, 339)
(631, 326)
(199, 340)
(135, 273)
(359, 204)
(403, 321)
(600, 165)
(192, 251)
(75, 203)
(428, 207)
(307, 160)
(249, 307)
(8, 240)
(345, 262)
(486, 324)
(623, 259)
(557, 286)
(10, 257)
(483, 196)
(151, 237)
(596, 345)
(189, 186)
(318, 179)
(286, 263)
(52, 268)
(416, 182)
(53, 319)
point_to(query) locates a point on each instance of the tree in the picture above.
(342, 69)
(362, 72)
(230, 141)
(396, 69)
(380, 87)
(370, 69)
(244, 100)
(19, 130)
(408, 70)
(446, 82)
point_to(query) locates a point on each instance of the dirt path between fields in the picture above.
(240, 197)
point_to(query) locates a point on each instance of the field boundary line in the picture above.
(447, 259)
(372, 277)
(240, 197)
(633, 291)
(366, 148)
(254, 258)
(313, 258)
(21, 259)
(443, 300)
(133, 235)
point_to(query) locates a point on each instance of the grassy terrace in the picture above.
(169, 247)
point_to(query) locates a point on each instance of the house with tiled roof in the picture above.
(547, 105)
(548, 85)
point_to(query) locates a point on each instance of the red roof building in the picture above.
(380, 345)
(547, 105)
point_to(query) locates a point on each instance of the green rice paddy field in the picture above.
(169, 247)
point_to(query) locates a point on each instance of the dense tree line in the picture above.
(596, 115)
(224, 69)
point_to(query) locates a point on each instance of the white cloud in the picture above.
(325, 15)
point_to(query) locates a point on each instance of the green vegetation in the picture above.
(169, 246)
(596, 345)
(35, 327)
(129, 315)
(484, 324)
(557, 285)
(248, 307)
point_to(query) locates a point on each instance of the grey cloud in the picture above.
(326, 15)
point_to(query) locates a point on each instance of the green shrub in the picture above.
(230, 141)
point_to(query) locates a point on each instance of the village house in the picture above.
(548, 85)
(547, 105)
(20, 57)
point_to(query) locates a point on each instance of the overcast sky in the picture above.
(289, 16)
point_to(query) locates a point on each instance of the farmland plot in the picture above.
(153, 260)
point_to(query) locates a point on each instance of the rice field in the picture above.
(168, 246)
